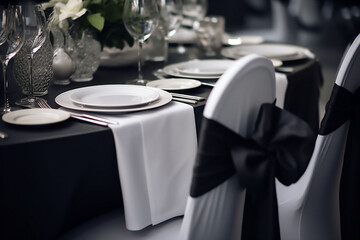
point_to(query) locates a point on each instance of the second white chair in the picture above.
(309, 209)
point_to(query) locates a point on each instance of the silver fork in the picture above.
(42, 103)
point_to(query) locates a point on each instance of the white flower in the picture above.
(64, 9)
(72, 9)
(52, 3)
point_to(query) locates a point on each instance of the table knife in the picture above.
(186, 96)
(184, 100)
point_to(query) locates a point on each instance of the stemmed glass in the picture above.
(11, 40)
(140, 19)
(36, 31)
(170, 19)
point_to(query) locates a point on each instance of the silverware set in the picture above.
(184, 100)
(42, 103)
(187, 98)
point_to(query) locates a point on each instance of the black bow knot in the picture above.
(280, 146)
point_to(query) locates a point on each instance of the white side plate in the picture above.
(199, 69)
(35, 116)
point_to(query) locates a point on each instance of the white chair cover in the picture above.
(234, 102)
(309, 209)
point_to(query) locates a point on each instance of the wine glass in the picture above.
(140, 19)
(36, 31)
(170, 19)
(11, 40)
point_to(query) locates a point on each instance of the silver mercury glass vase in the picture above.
(62, 63)
(42, 69)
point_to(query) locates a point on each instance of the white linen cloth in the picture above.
(281, 86)
(156, 152)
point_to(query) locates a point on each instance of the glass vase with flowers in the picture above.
(87, 27)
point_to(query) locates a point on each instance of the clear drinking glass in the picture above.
(209, 34)
(140, 19)
(193, 11)
(36, 32)
(11, 40)
(170, 19)
(170, 16)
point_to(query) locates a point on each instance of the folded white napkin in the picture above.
(156, 151)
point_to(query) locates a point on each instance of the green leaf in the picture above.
(86, 3)
(96, 1)
(96, 20)
(113, 12)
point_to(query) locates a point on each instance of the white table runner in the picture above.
(281, 86)
(156, 151)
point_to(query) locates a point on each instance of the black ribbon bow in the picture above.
(341, 107)
(280, 146)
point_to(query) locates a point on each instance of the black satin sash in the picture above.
(344, 106)
(280, 146)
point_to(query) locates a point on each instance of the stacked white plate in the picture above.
(113, 98)
(174, 84)
(199, 69)
(282, 52)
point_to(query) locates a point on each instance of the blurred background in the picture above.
(324, 26)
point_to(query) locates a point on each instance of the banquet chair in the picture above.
(229, 208)
(309, 209)
(217, 213)
(234, 102)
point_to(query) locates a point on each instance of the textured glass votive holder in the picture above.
(209, 33)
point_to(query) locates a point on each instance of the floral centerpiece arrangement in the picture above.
(104, 17)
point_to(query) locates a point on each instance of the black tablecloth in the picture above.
(55, 177)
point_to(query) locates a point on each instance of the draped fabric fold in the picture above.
(280, 146)
(343, 106)
(338, 109)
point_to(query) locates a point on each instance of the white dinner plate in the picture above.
(64, 100)
(281, 52)
(35, 116)
(174, 84)
(199, 69)
(234, 40)
(114, 95)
